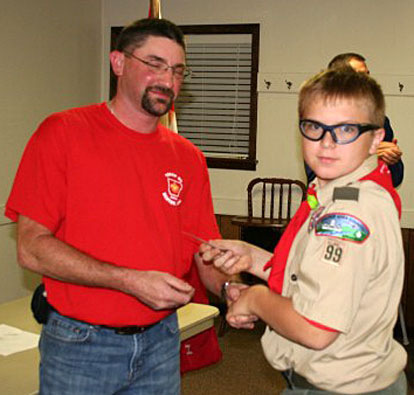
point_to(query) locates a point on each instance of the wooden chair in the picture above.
(276, 199)
(271, 203)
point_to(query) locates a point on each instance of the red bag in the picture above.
(202, 349)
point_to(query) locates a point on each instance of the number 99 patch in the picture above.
(333, 252)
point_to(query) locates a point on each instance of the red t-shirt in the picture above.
(121, 196)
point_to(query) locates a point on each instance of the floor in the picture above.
(242, 371)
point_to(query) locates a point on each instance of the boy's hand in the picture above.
(237, 259)
(389, 152)
(238, 315)
(233, 292)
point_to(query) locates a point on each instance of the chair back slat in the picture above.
(288, 190)
(272, 199)
(289, 202)
(264, 200)
(280, 200)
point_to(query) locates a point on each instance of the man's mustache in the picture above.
(166, 91)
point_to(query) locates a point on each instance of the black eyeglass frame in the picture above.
(161, 70)
(362, 128)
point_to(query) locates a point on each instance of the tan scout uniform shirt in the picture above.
(352, 287)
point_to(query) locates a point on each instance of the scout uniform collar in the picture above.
(325, 193)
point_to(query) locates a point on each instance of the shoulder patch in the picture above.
(346, 193)
(342, 226)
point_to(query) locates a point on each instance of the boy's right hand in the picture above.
(237, 259)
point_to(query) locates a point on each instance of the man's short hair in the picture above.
(344, 84)
(135, 35)
(343, 59)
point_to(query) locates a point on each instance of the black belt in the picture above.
(126, 330)
(119, 330)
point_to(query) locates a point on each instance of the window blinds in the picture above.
(213, 108)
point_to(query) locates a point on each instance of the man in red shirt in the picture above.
(103, 197)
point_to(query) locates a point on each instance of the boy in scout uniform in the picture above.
(336, 276)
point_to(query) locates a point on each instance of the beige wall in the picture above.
(298, 38)
(51, 60)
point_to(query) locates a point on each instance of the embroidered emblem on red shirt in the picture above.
(174, 189)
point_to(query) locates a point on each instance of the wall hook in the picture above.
(289, 84)
(400, 86)
(268, 84)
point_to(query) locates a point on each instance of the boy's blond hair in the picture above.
(344, 83)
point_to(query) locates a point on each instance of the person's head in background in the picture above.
(340, 113)
(355, 60)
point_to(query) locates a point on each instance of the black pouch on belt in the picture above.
(39, 305)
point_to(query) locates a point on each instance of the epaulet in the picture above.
(345, 193)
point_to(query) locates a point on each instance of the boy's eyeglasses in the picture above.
(343, 133)
(160, 67)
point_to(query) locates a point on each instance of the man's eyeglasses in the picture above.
(343, 133)
(160, 67)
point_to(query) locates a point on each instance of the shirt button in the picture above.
(293, 277)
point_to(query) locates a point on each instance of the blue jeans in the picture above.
(81, 359)
(397, 388)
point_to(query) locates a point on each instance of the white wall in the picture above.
(51, 60)
(298, 38)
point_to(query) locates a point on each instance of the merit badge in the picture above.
(174, 189)
(314, 218)
(342, 226)
(333, 252)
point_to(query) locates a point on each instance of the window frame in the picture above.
(253, 29)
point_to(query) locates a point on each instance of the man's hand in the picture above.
(237, 259)
(159, 290)
(389, 152)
